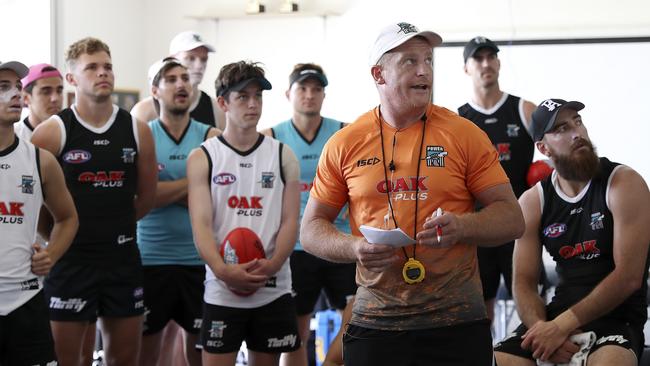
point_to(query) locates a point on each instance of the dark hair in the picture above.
(30, 87)
(234, 73)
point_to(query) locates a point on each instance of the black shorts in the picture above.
(608, 333)
(271, 328)
(173, 292)
(492, 263)
(25, 335)
(310, 274)
(463, 344)
(80, 292)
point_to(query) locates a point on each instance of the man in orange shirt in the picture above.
(395, 166)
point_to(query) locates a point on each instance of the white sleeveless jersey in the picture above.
(246, 190)
(21, 198)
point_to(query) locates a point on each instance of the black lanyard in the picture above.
(391, 166)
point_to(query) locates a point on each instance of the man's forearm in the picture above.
(498, 223)
(285, 241)
(63, 232)
(320, 237)
(530, 306)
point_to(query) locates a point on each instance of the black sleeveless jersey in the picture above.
(578, 232)
(203, 112)
(100, 168)
(509, 136)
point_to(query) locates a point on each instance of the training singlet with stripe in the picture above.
(578, 232)
(456, 162)
(308, 153)
(504, 124)
(165, 233)
(100, 168)
(21, 198)
(247, 189)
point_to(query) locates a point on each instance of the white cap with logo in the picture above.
(394, 35)
(186, 41)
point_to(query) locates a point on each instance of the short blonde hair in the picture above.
(88, 45)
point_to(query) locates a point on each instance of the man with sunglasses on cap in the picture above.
(244, 204)
(173, 270)
(189, 48)
(306, 133)
(29, 178)
(43, 95)
(506, 120)
(411, 165)
(592, 216)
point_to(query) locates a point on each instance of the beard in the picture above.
(579, 165)
(178, 111)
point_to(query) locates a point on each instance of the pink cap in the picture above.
(36, 72)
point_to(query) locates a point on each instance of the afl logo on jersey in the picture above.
(76, 156)
(224, 179)
(554, 230)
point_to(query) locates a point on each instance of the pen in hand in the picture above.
(438, 227)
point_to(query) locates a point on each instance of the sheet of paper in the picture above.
(394, 237)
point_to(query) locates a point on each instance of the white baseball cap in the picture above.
(157, 66)
(186, 41)
(396, 34)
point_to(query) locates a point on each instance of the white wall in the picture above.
(119, 23)
(25, 37)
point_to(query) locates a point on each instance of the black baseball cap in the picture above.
(300, 75)
(476, 44)
(546, 112)
(264, 84)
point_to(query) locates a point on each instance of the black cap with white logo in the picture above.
(546, 112)
(476, 44)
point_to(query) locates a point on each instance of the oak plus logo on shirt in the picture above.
(403, 188)
(246, 205)
(103, 179)
(585, 250)
(11, 212)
